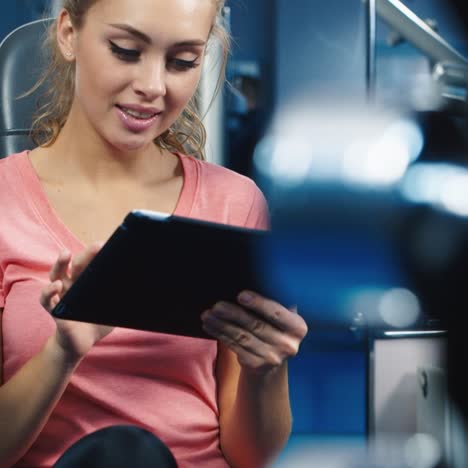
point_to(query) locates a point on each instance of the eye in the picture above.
(183, 65)
(126, 55)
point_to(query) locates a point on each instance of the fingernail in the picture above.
(246, 297)
(219, 307)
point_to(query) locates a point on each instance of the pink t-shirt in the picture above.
(163, 383)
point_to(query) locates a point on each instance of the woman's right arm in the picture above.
(29, 397)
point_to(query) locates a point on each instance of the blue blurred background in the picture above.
(300, 45)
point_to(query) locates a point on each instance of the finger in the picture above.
(54, 300)
(240, 317)
(293, 309)
(251, 332)
(60, 267)
(50, 295)
(234, 337)
(247, 359)
(249, 354)
(274, 313)
(82, 260)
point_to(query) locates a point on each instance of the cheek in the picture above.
(181, 89)
(96, 77)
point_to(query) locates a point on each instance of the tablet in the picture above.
(159, 272)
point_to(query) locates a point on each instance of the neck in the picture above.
(82, 153)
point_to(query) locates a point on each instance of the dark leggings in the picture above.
(118, 447)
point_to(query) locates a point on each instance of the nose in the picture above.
(150, 81)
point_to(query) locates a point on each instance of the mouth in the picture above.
(140, 115)
(137, 120)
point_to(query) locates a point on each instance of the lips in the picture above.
(137, 119)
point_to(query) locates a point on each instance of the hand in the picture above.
(262, 333)
(73, 338)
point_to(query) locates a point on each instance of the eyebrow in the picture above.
(143, 37)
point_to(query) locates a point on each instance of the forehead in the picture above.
(159, 19)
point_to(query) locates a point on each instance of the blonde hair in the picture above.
(187, 135)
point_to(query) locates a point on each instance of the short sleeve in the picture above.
(2, 270)
(258, 217)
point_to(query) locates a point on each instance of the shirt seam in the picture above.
(254, 197)
(198, 176)
(32, 204)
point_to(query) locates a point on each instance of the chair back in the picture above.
(21, 63)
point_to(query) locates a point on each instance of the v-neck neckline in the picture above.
(44, 209)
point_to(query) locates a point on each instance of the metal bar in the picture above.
(370, 49)
(417, 32)
(23, 131)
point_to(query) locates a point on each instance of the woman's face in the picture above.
(138, 63)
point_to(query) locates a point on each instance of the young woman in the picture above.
(112, 138)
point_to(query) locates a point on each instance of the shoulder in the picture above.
(219, 175)
(236, 196)
(12, 182)
(9, 165)
(10, 172)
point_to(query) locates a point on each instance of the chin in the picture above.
(130, 145)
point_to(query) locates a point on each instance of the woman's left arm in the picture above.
(256, 337)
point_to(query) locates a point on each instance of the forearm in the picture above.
(260, 421)
(29, 397)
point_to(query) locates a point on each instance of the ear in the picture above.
(66, 35)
